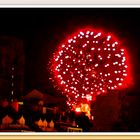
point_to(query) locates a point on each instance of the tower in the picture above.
(11, 68)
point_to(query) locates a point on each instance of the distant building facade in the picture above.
(11, 68)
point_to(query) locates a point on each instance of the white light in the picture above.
(95, 36)
(121, 79)
(66, 56)
(96, 65)
(79, 61)
(113, 45)
(86, 78)
(108, 38)
(100, 84)
(126, 66)
(87, 32)
(63, 46)
(99, 34)
(73, 79)
(61, 62)
(76, 83)
(91, 33)
(12, 84)
(106, 65)
(118, 55)
(81, 33)
(69, 41)
(74, 41)
(103, 90)
(115, 72)
(124, 74)
(117, 79)
(120, 84)
(59, 76)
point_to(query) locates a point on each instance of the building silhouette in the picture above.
(11, 68)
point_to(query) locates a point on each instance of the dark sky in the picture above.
(43, 29)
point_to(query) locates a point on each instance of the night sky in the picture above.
(43, 29)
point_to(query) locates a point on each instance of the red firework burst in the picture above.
(89, 63)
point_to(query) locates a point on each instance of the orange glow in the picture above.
(83, 108)
(78, 109)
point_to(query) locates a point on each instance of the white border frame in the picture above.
(73, 2)
(67, 6)
(70, 4)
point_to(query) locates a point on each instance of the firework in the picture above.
(89, 63)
